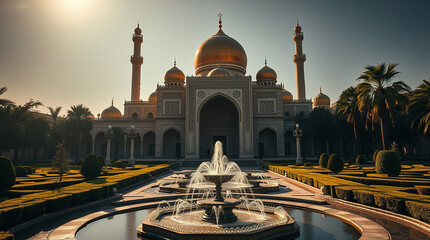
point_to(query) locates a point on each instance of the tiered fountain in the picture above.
(220, 217)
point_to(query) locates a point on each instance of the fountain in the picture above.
(200, 217)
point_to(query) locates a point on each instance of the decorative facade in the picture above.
(186, 115)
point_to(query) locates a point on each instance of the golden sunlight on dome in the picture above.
(286, 96)
(91, 116)
(174, 75)
(321, 99)
(111, 113)
(220, 72)
(266, 74)
(153, 97)
(223, 50)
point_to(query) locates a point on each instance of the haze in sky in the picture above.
(68, 52)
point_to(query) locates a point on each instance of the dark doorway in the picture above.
(219, 119)
(268, 138)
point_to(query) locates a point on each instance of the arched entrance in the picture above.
(100, 144)
(267, 144)
(149, 144)
(290, 143)
(171, 144)
(219, 121)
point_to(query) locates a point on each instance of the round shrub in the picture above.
(28, 169)
(90, 167)
(7, 174)
(388, 162)
(323, 160)
(101, 160)
(335, 164)
(360, 160)
(308, 164)
(80, 161)
(119, 164)
(20, 172)
(375, 154)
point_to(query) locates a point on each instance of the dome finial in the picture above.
(320, 90)
(112, 101)
(174, 61)
(137, 23)
(220, 21)
(297, 22)
(265, 61)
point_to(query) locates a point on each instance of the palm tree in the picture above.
(347, 106)
(118, 134)
(378, 96)
(78, 124)
(3, 101)
(54, 133)
(419, 107)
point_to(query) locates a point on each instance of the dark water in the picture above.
(312, 226)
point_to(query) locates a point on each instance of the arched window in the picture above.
(150, 116)
(134, 116)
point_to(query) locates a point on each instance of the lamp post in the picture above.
(298, 133)
(109, 135)
(132, 136)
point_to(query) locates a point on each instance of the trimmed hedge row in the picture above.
(415, 205)
(15, 211)
(385, 181)
(6, 236)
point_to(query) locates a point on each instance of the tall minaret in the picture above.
(299, 59)
(136, 60)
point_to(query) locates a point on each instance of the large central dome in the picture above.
(223, 51)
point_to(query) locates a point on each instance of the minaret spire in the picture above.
(299, 58)
(136, 60)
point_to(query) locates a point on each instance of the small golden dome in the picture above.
(174, 75)
(137, 30)
(321, 99)
(287, 96)
(91, 116)
(266, 74)
(220, 49)
(297, 29)
(153, 97)
(111, 113)
(220, 72)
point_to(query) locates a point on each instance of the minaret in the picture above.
(299, 59)
(136, 60)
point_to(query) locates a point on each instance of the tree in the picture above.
(3, 101)
(54, 138)
(118, 135)
(61, 160)
(78, 124)
(419, 107)
(347, 107)
(377, 97)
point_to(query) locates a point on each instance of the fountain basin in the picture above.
(251, 225)
(226, 215)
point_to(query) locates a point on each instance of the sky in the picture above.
(69, 52)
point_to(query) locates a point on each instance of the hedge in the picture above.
(385, 181)
(6, 236)
(34, 205)
(385, 197)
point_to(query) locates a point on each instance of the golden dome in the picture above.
(111, 113)
(137, 30)
(321, 99)
(223, 50)
(153, 97)
(266, 74)
(174, 75)
(220, 72)
(91, 116)
(287, 96)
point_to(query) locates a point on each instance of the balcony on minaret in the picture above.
(298, 36)
(136, 59)
(299, 58)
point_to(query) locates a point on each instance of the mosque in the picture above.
(185, 116)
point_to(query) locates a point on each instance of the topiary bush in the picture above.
(20, 172)
(119, 164)
(388, 162)
(7, 174)
(335, 164)
(375, 154)
(360, 160)
(323, 160)
(28, 169)
(101, 160)
(308, 164)
(90, 167)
